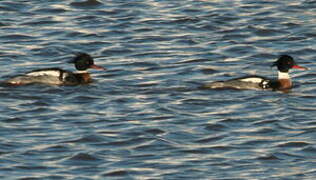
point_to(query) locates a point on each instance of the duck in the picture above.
(283, 82)
(57, 76)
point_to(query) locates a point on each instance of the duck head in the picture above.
(285, 63)
(84, 61)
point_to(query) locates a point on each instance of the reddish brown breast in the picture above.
(83, 78)
(285, 83)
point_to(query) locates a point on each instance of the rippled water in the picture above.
(146, 117)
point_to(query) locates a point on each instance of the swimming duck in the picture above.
(57, 76)
(283, 82)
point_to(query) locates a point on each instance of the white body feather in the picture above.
(55, 73)
(45, 76)
(252, 80)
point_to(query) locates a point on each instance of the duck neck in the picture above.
(283, 75)
(81, 72)
(285, 80)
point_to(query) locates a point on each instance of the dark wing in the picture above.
(271, 84)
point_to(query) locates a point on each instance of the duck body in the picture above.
(57, 76)
(251, 82)
(246, 82)
(283, 82)
(51, 76)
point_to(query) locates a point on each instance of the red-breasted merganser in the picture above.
(57, 76)
(284, 64)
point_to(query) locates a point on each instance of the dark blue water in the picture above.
(146, 117)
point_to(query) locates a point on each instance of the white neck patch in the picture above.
(283, 75)
(80, 72)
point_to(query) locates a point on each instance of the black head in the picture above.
(84, 61)
(285, 63)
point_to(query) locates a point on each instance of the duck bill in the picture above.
(299, 67)
(97, 67)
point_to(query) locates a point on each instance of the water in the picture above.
(145, 117)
